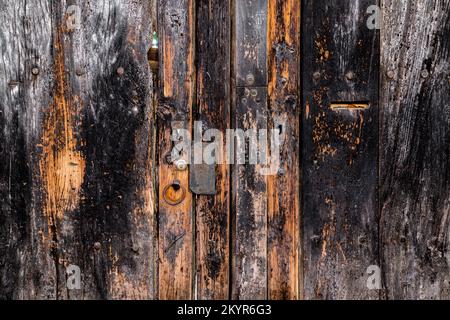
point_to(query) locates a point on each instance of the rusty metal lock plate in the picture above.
(202, 179)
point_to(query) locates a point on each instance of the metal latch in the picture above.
(202, 176)
(202, 179)
(349, 105)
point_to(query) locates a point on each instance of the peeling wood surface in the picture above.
(415, 149)
(340, 150)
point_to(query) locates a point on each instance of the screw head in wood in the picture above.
(316, 76)
(315, 239)
(79, 71)
(120, 71)
(181, 164)
(250, 79)
(424, 74)
(390, 74)
(362, 240)
(35, 71)
(135, 110)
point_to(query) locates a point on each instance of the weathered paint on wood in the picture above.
(415, 149)
(177, 77)
(340, 151)
(283, 187)
(76, 150)
(213, 96)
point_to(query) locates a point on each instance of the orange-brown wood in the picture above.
(283, 187)
(176, 40)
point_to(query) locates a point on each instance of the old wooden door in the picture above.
(96, 97)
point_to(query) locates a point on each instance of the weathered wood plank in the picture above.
(251, 42)
(339, 184)
(249, 185)
(118, 215)
(27, 269)
(415, 149)
(213, 96)
(87, 149)
(176, 42)
(250, 251)
(283, 187)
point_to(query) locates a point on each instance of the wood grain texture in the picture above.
(251, 42)
(27, 269)
(213, 96)
(87, 184)
(339, 184)
(284, 116)
(415, 149)
(177, 77)
(249, 185)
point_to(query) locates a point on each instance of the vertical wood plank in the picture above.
(250, 254)
(213, 96)
(415, 149)
(249, 186)
(27, 268)
(251, 43)
(339, 185)
(176, 42)
(117, 215)
(284, 112)
(86, 137)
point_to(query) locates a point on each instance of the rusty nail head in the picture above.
(35, 71)
(362, 239)
(315, 239)
(250, 79)
(120, 71)
(79, 71)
